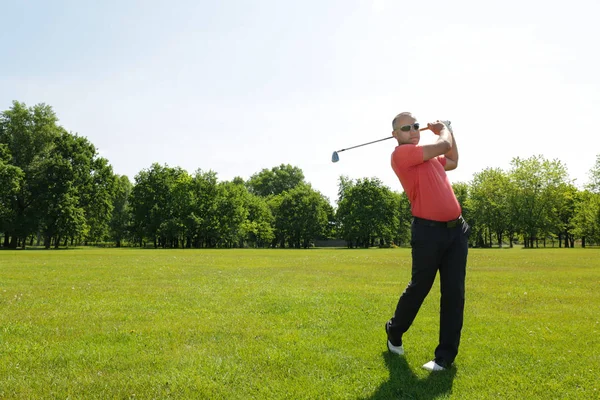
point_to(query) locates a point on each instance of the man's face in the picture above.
(406, 132)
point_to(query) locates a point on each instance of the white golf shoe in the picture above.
(433, 366)
(395, 349)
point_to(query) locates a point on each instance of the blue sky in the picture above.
(238, 86)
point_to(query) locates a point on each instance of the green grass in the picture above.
(290, 324)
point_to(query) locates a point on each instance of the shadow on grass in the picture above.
(404, 384)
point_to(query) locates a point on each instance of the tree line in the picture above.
(55, 190)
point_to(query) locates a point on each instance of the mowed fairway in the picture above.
(290, 324)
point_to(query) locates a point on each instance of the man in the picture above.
(439, 235)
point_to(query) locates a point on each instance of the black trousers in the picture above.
(436, 247)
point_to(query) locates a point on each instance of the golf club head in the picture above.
(335, 157)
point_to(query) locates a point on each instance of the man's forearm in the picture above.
(445, 136)
(453, 153)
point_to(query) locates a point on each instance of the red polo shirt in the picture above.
(426, 184)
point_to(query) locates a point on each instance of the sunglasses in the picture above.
(406, 128)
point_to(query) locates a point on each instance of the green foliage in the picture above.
(301, 215)
(587, 216)
(565, 205)
(232, 212)
(120, 220)
(594, 183)
(204, 209)
(158, 205)
(28, 132)
(344, 184)
(27, 136)
(54, 187)
(98, 193)
(489, 204)
(368, 211)
(537, 182)
(172, 209)
(258, 227)
(275, 181)
(11, 179)
(404, 219)
(60, 189)
(76, 190)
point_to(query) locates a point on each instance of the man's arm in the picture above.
(443, 144)
(452, 156)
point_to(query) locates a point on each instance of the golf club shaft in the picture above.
(374, 141)
(364, 144)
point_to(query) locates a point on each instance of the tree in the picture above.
(121, 210)
(65, 190)
(258, 227)
(564, 211)
(203, 216)
(462, 192)
(403, 207)
(586, 218)
(96, 185)
(489, 201)
(152, 205)
(594, 183)
(537, 182)
(179, 227)
(344, 184)
(366, 212)
(301, 215)
(231, 208)
(11, 179)
(275, 181)
(28, 137)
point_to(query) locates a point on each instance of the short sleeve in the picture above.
(407, 155)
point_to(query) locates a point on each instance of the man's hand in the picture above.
(436, 127)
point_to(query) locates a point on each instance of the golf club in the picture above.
(335, 157)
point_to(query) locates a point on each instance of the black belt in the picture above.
(448, 224)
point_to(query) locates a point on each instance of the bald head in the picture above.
(403, 118)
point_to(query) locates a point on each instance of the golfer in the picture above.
(439, 235)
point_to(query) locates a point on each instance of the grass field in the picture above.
(290, 324)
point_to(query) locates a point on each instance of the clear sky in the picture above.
(235, 86)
